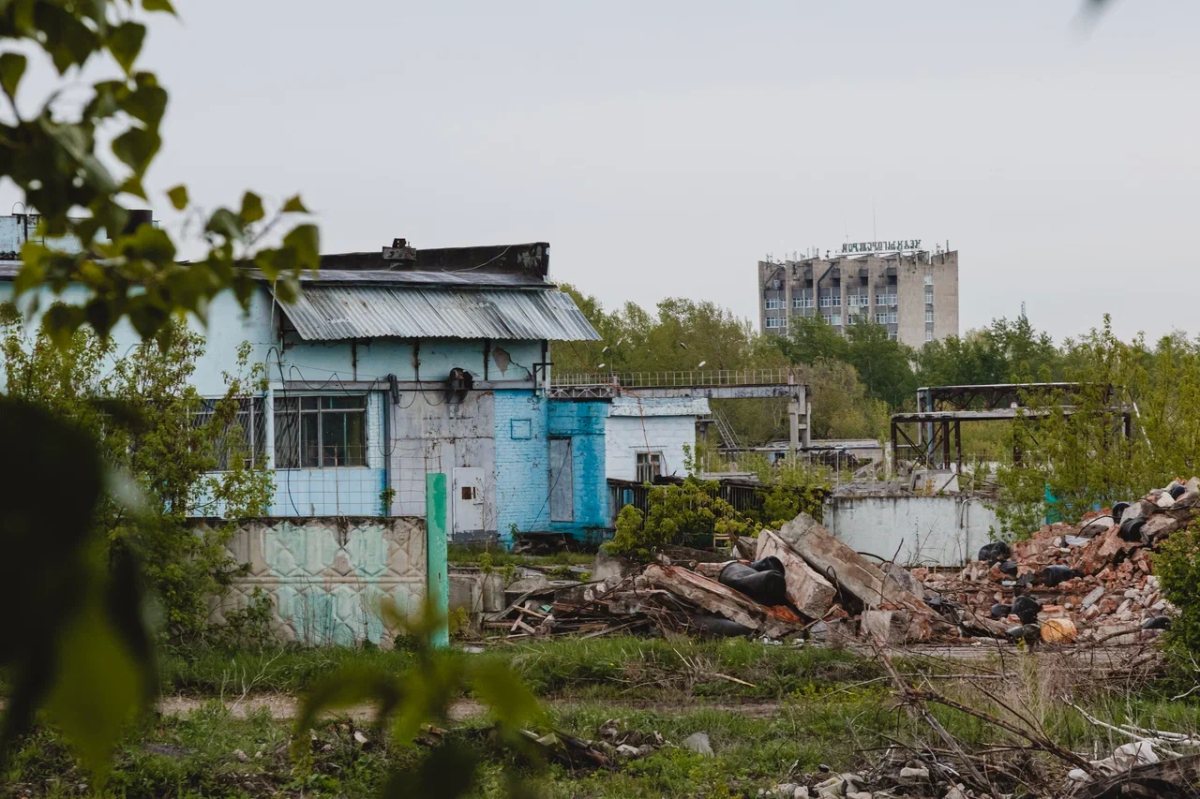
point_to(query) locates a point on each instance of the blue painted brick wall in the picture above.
(584, 423)
(522, 463)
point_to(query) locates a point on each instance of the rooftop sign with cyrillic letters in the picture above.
(882, 246)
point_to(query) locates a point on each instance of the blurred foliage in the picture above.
(80, 646)
(185, 456)
(421, 695)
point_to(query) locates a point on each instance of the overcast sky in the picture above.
(663, 148)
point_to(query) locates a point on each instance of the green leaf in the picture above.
(305, 242)
(60, 323)
(509, 699)
(147, 103)
(77, 143)
(148, 242)
(67, 40)
(133, 185)
(446, 772)
(97, 687)
(48, 540)
(126, 42)
(179, 197)
(12, 67)
(136, 147)
(348, 686)
(225, 223)
(159, 5)
(33, 268)
(252, 209)
(294, 206)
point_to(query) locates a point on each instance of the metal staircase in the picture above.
(726, 430)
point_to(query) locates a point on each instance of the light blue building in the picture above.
(401, 362)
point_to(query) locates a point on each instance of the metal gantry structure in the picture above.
(941, 410)
(778, 383)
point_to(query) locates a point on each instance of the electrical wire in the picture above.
(485, 263)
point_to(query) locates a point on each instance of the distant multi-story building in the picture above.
(911, 291)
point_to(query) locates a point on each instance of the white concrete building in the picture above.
(646, 437)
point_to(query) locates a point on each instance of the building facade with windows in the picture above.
(648, 438)
(400, 362)
(914, 294)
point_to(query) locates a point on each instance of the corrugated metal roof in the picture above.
(337, 312)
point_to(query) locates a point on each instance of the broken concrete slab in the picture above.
(895, 627)
(723, 600)
(811, 593)
(1160, 526)
(1096, 526)
(610, 566)
(903, 578)
(1093, 597)
(840, 564)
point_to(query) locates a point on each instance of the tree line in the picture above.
(856, 380)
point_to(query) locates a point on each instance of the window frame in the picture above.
(654, 461)
(318, 410)
(250, 409)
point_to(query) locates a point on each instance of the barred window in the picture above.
(316, 432)
(244, 436)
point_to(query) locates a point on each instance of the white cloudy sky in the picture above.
(663, 148)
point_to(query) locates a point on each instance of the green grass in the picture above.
(213, 671)
(827, 708)
(195, 755)
(623, 667)
(470, 556)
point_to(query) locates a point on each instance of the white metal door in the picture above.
(468, 501)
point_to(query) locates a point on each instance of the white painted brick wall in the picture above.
(625, 438)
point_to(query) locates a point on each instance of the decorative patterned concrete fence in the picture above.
(326, 575)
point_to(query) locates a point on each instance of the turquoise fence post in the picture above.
(438, 578)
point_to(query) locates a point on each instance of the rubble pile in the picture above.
(802, 580)
(1093, 581)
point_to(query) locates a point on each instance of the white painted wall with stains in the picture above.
(942, 531)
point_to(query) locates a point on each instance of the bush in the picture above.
(629, 541)
(1177, 564)
(690, 513)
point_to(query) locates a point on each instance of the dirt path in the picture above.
(283, 706)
